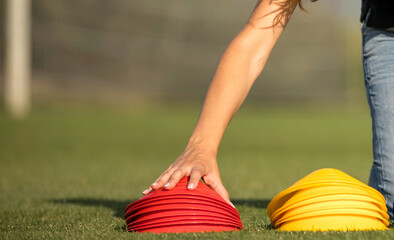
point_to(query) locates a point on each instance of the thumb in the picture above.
(218, 187)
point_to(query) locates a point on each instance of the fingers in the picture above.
(163, 179)
(170, 182)
(174, 179)
(146, 191)
(158, 183)
(195, 177)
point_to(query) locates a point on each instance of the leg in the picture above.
(378, 61)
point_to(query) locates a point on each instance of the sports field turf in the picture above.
(69, 172)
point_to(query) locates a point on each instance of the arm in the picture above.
(240, 65)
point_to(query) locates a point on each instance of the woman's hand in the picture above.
(197, 162)
(240, 65)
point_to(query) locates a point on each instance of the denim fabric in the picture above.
(378, 62)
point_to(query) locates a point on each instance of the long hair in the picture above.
(285, 10)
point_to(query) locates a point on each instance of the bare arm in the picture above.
(240, 65)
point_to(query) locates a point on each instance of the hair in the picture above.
(285, 10)
(299, 2)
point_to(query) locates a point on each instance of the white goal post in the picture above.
(18, 57)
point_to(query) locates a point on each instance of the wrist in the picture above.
(204, 143)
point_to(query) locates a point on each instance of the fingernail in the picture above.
(190, 186)
(167, 184)
(232, 204)
(154, 184)
(145, 192)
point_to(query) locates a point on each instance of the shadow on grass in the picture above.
(118, 207)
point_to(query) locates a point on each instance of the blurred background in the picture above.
(110, 90)
(131, 52)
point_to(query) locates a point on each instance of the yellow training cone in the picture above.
(328, 199)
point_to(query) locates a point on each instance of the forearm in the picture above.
(239, 67)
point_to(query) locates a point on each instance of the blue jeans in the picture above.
(378, 62)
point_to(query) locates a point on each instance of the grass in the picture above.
(69, 172)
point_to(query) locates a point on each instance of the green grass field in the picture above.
(69, 172)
